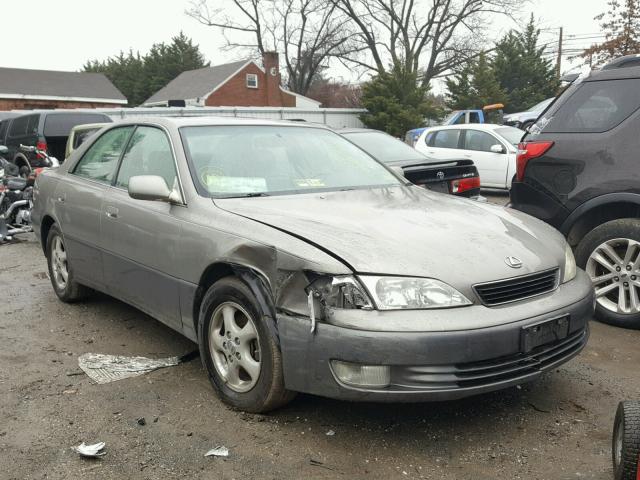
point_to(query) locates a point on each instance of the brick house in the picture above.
(237, 84)
(22, 89)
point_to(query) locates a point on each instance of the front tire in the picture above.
(60, 271)
(610, 254)
(240, 352)
(626, 442)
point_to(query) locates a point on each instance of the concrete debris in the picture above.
(218, 452)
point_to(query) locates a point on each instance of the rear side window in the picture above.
(594, 107)
(60, 124)
(3, 129)
(446, 139)
(100, 160)
(23, 125)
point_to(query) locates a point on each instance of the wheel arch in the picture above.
(21, 161)
(45, 226)
(597, 211)
(252, 278)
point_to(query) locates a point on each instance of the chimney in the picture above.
(270, 62)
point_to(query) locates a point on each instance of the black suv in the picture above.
(45, 131)
(578, 169)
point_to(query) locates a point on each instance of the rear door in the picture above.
(79, 204)
(141, 239)
(443, 144)
(493, 167)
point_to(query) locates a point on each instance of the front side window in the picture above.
(446, 139)
(148, 153)
(245, 160)
(479, 141)
(474, 117)
(100, 160)
(252, 80)
(593, 107)
(20, 125)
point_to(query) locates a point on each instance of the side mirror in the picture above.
(3, 150)
(497, 148)
(399, 171)
(152, 187)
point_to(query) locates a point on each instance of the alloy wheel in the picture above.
(614, 268)
(234, 347)
(59, 264)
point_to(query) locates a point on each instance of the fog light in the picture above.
(362, 375)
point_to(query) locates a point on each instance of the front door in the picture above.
(141, 238)
(492, 166)
(79, 204)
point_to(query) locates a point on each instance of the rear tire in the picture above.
(625, 450)
(60, 271)
(240, 352)
(610, 254)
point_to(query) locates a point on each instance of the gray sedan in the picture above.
(300, 264)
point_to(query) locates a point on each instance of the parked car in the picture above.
(301, 264)
(45, 130)
(458, 177)
(492, 148)
(577, 170)
(79, 134)
(524, 120)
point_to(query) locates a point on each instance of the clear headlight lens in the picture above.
(569, 264)
(394, 293)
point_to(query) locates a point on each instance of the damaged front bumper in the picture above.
(439, 364)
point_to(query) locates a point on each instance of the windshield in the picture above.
(384, 147)
(247, 160)
(542, 105)
(510, 134)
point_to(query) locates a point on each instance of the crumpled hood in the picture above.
(411, 231)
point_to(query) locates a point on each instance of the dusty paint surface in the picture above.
(557, 428)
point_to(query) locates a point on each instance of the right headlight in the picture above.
(569, 265)
(407, 293)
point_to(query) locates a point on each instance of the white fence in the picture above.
(333, 117)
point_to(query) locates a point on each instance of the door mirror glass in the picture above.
(497, 148)
(152, 187)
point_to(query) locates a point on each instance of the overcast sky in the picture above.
(63, 34)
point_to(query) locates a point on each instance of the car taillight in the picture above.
(527, 151)
(464, 184)
(41, 145)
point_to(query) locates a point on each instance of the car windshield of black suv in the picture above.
(252, 160)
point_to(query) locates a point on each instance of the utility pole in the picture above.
(559, 62)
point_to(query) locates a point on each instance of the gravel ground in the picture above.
(556, 428)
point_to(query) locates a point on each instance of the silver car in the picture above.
(300, 264)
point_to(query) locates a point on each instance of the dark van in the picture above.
(44, 130)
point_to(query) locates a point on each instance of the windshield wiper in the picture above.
(248, 195)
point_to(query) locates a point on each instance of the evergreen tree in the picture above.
(474, 86)
(396, 102)
(138, 77)
(522, 71)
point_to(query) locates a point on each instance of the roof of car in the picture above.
(178, 122)
(356, 130)
(474, 126)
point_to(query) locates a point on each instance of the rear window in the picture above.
(59, 125)
(384, 147)
(24, 125)
(593, 107)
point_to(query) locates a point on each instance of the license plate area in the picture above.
(542, 333)
(441, 187)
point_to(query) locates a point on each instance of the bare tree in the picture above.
(307, 32)
(427, 37)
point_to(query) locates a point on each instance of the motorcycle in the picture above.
(16, 195)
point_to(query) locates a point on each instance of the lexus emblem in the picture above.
(513, 262)
(440, 175)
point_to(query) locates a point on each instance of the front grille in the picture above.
(519, 288)
(487, 372)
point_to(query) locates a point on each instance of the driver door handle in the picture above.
(111, 212)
